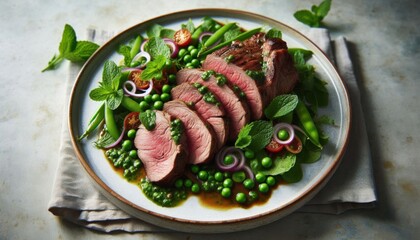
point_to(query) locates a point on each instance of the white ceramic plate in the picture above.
(192, 216)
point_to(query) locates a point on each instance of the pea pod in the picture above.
(94, 122)
(111, 125)
(130, 104)
(241, 37)
(218, 34)
(196, 34)
(307, 123)
(136, 47)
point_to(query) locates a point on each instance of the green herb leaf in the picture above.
(314, 16)
(281, 164)
(294, 175)
(114, 100)
(148, 119)
(154, 30)
(274, 33)
(83, 50)
(125, 50)
(68, 40)
(154, 69)
(306, 54)
(99, 94)
(156, 46)
(255, 135)
(110, 71)
(281, 106)
(323, 9)
(167, 33)
(306, 17)
(189, 26)
(309, 156)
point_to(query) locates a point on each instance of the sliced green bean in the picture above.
(94, 122)
(130, 104)
(111, 125)
(218, 34)
(241, 37)
(136, 47)
(307, 123)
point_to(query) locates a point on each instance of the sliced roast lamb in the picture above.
(201, 142)
(163, 159)
(250, 55)
(210, 112)
(236, 109)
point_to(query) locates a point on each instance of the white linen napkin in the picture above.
(75, 199)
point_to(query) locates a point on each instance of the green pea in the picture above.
(203, 175)
(249, 154)
(187, 58)
(168, 63)
(131, 133)
(190, 48)
(166, 88)
(240, 197)
(195, 188)
(195, 168)
(188, 183)
(283, 134)
(263, 187)
(127, 145)
(218, 176)
(227, 183)
(148, 98)
(182, 52)
(228, 160)
(260, 177)
(132, 153)
(158, 105)
(179, 183)
(144, 106)
(172, 79)
(194, 52)
(155, 97)
(238, 176)
(253, 195)
(195, 62)
(249, 183)
(165, 97)
(267, 162)
(271, 181)
(226, 192)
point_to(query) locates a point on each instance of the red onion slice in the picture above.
(140, 55)
(132, 92)
(114, 144)
(288, 128)
(238, 156)
(249, 172)
(207, 34)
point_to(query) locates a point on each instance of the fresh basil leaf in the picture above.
(110, 71)
(274, 33)
(323, 9)
(281, 164)
(114, 100)
(281, 106)
(68, 40)
(156, 46)
(154, 69)
(148, 119)
(261, 134)
(99, 94)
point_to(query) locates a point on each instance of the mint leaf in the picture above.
(261, 133)
(148, 119)
(274, 33)
(154, 69)
(83, 50)
(114, 100)
(323, 9)
(281, 164)
(154, 30)
(294, 175)
(167, 33)
(68, 40)
(281, 106)
(244, 139)
(306, 17)
(99, 94)
(110, 71)
(126, 52)
(309, 156)
(156, 46)
(306, 54)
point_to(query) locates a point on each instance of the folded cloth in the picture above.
(75, 199)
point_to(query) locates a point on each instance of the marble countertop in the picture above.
(385, 42)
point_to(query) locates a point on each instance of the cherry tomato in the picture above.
(131, 121)
(182, 37)
(274, 147)
(135, 77)
(295, 146)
